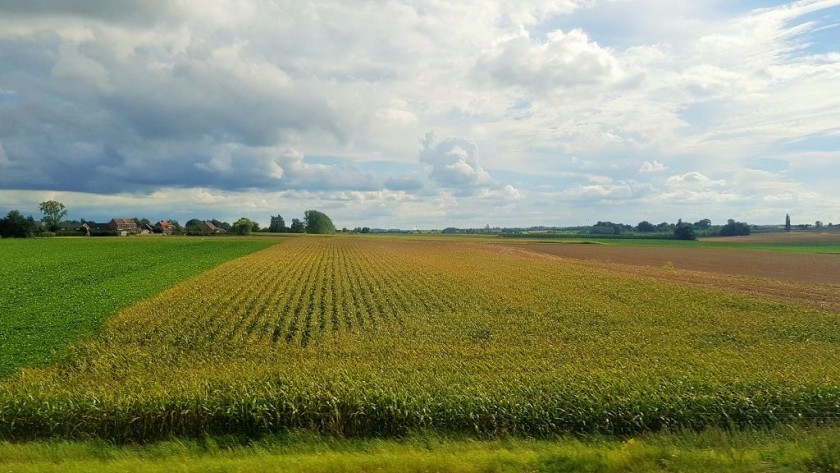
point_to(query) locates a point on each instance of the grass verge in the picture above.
(784, 449)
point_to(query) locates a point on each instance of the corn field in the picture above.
(383, 336)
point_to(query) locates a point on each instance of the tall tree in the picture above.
(243, 226)
(318, 222)
(53, 212)
(195, 226)
(733, 228)
(684, 231)
(297, 226)
(787, 222)
(645, 227)
(278, 225)
(703, 224)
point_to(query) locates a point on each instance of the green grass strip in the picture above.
(783, 449)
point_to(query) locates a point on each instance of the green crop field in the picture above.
(59, 289)
(382, 337)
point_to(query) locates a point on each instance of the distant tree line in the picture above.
(15, 225)
(680, 231)
(644, 229)
(314, 222)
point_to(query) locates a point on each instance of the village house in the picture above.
(164, 227)
(212, 228)
(123, 226)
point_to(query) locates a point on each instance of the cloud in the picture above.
(4, 159)
(324, 102)
(141, 12)
(693, 180)
(622, 191)
(652, 166)
(563, 60)
(454, 162)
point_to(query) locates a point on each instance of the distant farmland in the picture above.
(381, 336)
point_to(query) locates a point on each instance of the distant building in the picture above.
(123, 226)
(210, 227)
(164, 227)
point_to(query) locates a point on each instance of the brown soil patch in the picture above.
(782, 237)
(800, 279)
(794, 267)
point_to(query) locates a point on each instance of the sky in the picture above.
(423, 114)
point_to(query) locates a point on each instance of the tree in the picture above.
(15, 225)
(645, 227)
(703, 224)
(608, 228)
(195, 226)
(142, 222)
(297, 226)
(787, 222)
(733, 228)
(243, 226)
(818, 224)
(664, 227)
(53, 212)
(277, 225)
(318, 223)
(255, 227)
(684, 231)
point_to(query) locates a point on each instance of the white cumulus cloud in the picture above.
(652, 166)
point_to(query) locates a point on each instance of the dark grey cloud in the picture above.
(81, 117)
(128, 11)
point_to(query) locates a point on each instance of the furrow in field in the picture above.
(310, 304)
(389, 275)
(363, 299)
(351, 304)
(277, 320)
(231, 321)
(335, 295)
(300, 330)
(286, 326)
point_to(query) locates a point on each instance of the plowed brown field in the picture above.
(795, 267)
(811, 280)
(781, 237)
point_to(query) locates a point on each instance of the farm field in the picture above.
(350, 336)
(59, 289)
(793, 266)
(797, 238)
